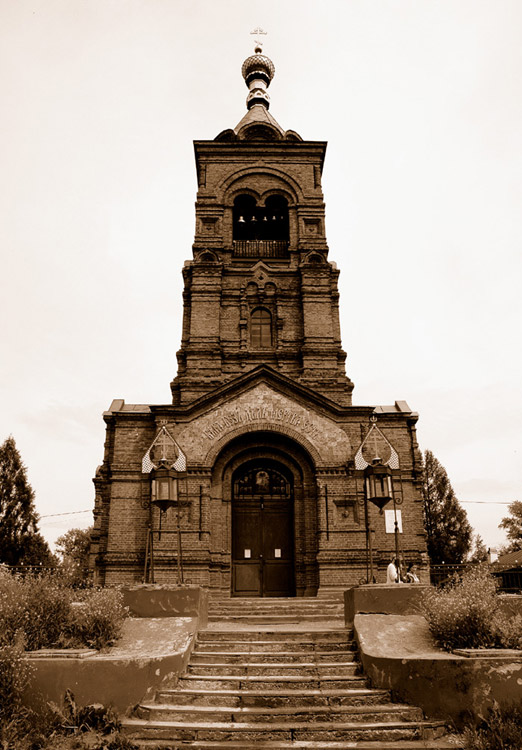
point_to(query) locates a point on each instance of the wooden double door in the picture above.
(263, 530)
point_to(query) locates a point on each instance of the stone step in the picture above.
(271, 683)
(275, 600)
(233, 657)
(290, 617)
(267, 619)
(275, 604)
(287, 607)
(287, 669)
(385, 712)
(337, 635)
(249, 685)
(233, 698)
(442, 743)
(250, 733)
(247, 647)
(324, 612)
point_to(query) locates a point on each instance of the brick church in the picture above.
(260, 478)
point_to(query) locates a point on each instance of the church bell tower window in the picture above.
(261, 230)
(261, 329)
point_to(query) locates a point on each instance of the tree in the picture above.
(20, 540)
(447, 526)
(480, 551)
(73, 547)
(37, 552)
(513, 526)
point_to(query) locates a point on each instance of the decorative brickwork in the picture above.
(261, 384)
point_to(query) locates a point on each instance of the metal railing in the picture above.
(509, 581)
(260, 248)
(443, 574)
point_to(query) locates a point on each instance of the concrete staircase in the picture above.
(275, 674)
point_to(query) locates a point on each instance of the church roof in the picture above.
(258, 124)
(258, 115)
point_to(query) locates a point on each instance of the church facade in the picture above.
(264, 456)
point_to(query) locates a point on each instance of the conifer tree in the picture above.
(449, 533)
(19, 536)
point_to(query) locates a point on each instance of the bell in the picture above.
(274, 218)
(241, 220)
(253, 218)
(265, 218)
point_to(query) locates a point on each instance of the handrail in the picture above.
(260, 248)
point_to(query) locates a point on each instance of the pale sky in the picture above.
(421, 104)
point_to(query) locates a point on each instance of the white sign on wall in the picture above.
(389, 517)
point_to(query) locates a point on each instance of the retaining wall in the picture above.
(153, 651)
(398, 653)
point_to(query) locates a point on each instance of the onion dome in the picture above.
(258, 71)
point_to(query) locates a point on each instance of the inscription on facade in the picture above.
(230, 419)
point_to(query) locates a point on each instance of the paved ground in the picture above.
(144, 636)
(398, 636)
(391, 635)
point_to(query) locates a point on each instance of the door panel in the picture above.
(246, 580)
(262, 532)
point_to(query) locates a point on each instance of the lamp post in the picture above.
(165, 495)
(374, 460)
(377, 490)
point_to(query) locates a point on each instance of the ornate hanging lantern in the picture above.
(164, 486)
(378, 483)
(374, 461)
(166, 464)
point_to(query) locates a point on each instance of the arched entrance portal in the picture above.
(262, 530)
(281, 503)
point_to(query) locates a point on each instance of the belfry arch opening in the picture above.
(263, 228)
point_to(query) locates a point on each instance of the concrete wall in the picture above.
(394, 599)
(117, 682)
(153, 651)
(444, 685)
(154, 600)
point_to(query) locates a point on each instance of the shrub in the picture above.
(39, 606)
(499, 731)
(507, 631)
(14, 677)
(99, 724)
(116, 741)
(461, 615)
(97, 621)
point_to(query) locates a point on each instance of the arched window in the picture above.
(245, 218)
(261, 329)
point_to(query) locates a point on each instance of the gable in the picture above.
(264, 408)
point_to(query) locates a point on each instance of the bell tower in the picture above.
(259, 289)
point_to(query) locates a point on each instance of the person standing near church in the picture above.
(392, 572)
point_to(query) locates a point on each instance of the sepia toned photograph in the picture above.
(260, 393)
